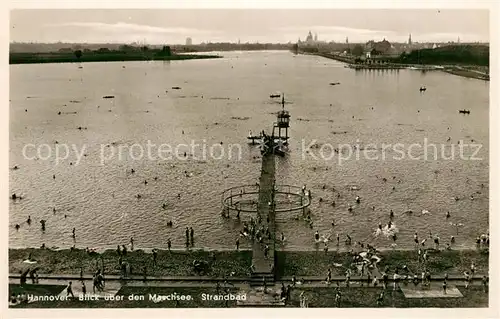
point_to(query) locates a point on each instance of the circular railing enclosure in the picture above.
(245, 198)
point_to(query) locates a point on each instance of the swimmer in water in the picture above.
(29, 220)
(350, 208)
(391, 214)
(348, 240)
(358, 199)
(17, 226)
(448, 215)
(423, 242)
(316, 236)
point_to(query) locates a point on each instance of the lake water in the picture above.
(220, 100)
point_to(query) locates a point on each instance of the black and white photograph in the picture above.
(249, 158)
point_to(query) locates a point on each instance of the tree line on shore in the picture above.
(124, 53)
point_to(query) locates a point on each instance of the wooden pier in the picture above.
(264, 266)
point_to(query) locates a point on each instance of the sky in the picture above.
(173, 26)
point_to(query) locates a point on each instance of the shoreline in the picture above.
(454, 70)
(34, 58)
(234, 263)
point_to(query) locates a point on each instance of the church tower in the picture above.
(409, 40)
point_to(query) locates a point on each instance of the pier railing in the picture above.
(233, 198)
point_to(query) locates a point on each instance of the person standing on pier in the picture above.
(329, 276)
(380, 299)
(472, 268)
(467, 279)
(348, 278)
(337, 298)
(84, 289)
(485, 283)
(155, 255)
(69, 290)
(32, 276)
(396, 280)
(237, 244)
(385, 280)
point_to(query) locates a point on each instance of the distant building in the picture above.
(409, 40)
(383, 46)
(189, 41)
(369, 45)
(309, 38)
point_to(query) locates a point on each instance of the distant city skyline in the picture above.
(174, 26)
